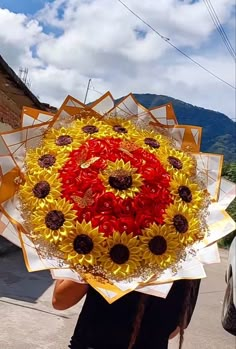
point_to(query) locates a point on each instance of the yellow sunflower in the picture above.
(43, 160)
(184, 190)
(39, 189)
(83, 246)
(160, 246)
(120, 128)
(175, 160)
(122, 257)
(54, 220)
(120, 178)
(62, 139)
(184, 221)
(90, 128)
(151, 141)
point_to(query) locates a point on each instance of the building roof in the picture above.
(15, 89)
(14, 95)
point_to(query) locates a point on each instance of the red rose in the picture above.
(113, 155)
(143, 202)
(136, 161)
(151, 189)
(148, 173)
(87, 175)
(84, 214)
(164, 196)
(113, 143)
(126, 207)
(159, 210)
(98, 165)
(97, 189)
(96, 147)
(106, 203)
(107, 224)
(127, 224)
(148, 157)
(143, 221)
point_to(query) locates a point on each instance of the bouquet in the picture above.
(117, 196)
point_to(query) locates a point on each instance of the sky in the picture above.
(64, 43)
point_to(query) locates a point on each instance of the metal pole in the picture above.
(85, 98)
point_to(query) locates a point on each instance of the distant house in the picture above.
(14, 94)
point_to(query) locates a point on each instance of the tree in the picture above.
(229, 172)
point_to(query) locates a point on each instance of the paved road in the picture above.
(29, 322)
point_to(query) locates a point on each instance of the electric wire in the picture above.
(219, 27)
(167, 40)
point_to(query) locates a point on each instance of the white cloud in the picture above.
(18, 35)
(99, 40)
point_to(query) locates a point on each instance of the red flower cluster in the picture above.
(82, 186)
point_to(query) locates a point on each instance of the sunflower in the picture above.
(39, 189)
(90, 128)
(160, 246)
(120, 178)
(175, 160)
(43, 160)
(120, 128)
(184, 190)
(184, 221)
(62, 139)
(122, 257)
(83, 245)
(151, 141)
(54, 221)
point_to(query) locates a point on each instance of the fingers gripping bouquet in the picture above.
(116, 204)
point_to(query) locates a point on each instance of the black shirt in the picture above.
(110, 326)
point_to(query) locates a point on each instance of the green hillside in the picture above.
(219, 131)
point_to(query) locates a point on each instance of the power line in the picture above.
(224, 35)
(167, 40)
(93, 89)
(220, 29)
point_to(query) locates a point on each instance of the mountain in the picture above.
(219, 131)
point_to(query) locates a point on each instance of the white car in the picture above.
(228, 318)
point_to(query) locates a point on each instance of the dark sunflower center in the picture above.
(158, 245)
(119, 129)
(90, 129)
(64, 140)
(46, 160)
(83, 244)
(119, 254)
(180, 223)
(152, 143)
(41, 189)
(54, 219)
(120, 182)
(176, 163)
(185, 193)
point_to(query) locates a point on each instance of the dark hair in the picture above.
(188, 306)
(138, 320)
(191, 289)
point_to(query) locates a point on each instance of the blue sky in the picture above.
(23, 6)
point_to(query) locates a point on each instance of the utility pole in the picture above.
(86, 94)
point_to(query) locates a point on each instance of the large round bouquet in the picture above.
(112, 200)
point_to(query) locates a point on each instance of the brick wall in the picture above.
(9, 111)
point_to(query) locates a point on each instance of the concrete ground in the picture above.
(29, 322)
